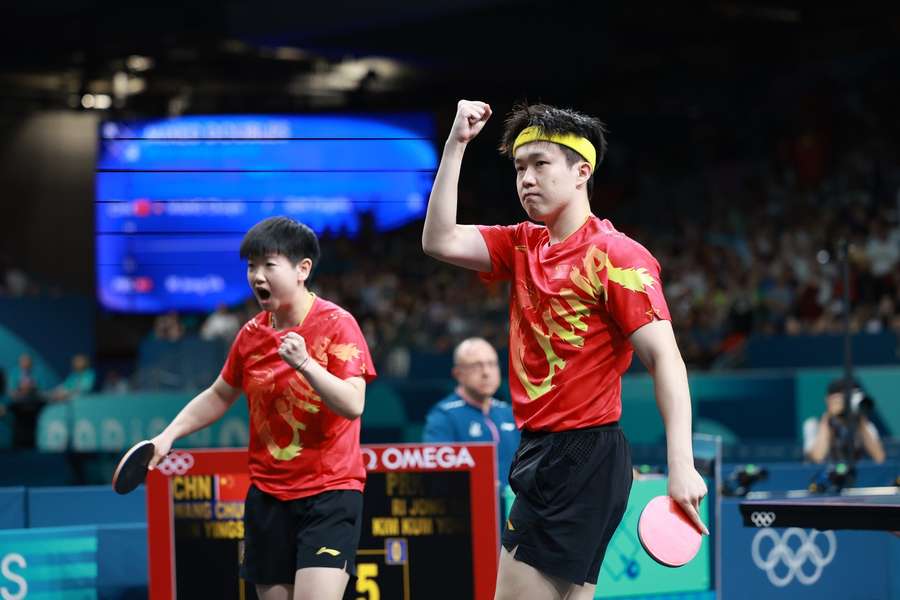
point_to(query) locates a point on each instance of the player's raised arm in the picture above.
(442, 237)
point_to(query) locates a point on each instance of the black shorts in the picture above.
(571, 490)
(283, 536)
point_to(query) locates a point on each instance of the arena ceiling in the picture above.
(231, 55)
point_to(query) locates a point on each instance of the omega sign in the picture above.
(421, 458)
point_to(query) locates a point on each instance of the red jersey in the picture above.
(572, 307)
(298, 446)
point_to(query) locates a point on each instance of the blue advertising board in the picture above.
(794, 563)
(175, 196)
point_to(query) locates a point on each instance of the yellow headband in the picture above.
(577, 143)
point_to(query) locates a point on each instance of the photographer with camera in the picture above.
(844, 432)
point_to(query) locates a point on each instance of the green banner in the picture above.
(114, 422)
(628, 571)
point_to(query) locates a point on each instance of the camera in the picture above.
(834, 477)
(860, 402)
(742, 479)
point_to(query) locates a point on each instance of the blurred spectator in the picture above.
(27, 402)
(80, 380)
(397, 362)
(168, 327)
(17, 283)
(221, 324)
(23, 384)
(882, 255)
(114, 383)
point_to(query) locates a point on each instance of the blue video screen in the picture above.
(175, 196)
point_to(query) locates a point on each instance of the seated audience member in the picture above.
(80, 380)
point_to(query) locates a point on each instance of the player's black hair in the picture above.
(552, 120)
(281, 235)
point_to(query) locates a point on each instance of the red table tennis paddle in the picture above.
(667, 533)
(132, 469)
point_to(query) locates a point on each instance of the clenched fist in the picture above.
(293, 350)
(471, 115)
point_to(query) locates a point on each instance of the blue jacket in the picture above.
(455, 420)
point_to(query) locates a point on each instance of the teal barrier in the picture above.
(640, 418)
(114, 422)
(882, 383)
(74, 563)
(755, 406)
(57, 562)
(721, 404)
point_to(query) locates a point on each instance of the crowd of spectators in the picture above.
(748, 245)
(750, 241)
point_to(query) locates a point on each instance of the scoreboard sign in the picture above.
(430, 524)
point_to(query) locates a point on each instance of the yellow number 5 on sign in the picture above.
(366, 573)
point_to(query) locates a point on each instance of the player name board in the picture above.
(428, 511)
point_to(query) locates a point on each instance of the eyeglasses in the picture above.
(485, 365)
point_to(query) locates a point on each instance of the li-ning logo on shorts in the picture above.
(794, 550)
(176, 463)
(763, 519)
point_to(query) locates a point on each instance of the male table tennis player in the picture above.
(583, 298)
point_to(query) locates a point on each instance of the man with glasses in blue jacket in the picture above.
(471, 413)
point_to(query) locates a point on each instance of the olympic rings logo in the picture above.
(807, 549)
(763, 519)
(176, 463)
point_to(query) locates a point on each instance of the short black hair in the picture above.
(838, 385)
(281, 235)
(554, 121)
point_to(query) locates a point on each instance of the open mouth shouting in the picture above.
(262, 294)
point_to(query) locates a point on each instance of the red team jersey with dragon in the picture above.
(298, 446)
(572, 307)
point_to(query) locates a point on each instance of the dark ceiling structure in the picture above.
(267, 56)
